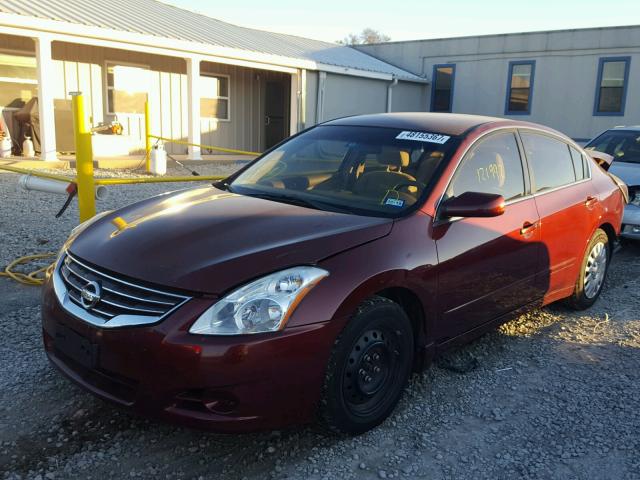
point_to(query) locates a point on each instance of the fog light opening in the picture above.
(219, 402)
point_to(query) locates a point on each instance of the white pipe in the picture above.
(322, 80)
(389, 93)
(29, 182)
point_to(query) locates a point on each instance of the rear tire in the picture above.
(593, 272)
(369, 368)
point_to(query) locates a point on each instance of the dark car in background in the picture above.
(623, 144)
(312, 282)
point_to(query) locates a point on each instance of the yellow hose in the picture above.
(32, 278)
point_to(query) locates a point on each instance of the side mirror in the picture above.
(473, 204)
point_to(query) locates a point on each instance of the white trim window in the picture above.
(18, 80)
(127, 88)
(214, 96)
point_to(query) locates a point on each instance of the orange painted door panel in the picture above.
(566, 222)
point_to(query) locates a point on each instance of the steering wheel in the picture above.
(277, 169)
(406, 185)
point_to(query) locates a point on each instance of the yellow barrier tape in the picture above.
(208, 147)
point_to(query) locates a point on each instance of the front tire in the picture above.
(593, 271)
(369, 368)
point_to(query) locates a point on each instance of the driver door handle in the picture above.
(528, 227)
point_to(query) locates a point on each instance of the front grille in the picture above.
(117, 297)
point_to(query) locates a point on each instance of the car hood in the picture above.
(207, 240)
(628, 172)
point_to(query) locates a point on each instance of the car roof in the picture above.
(624, 128)
(445, 123)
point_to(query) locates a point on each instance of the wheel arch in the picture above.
(610, 231)
(410, 302)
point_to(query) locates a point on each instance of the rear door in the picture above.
(487, 266)
(561, 184)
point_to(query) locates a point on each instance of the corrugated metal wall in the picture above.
(347, 95)
(566, 73)
(82, 68)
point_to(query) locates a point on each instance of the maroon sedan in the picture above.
(311, 283)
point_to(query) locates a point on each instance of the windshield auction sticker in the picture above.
(423, 137)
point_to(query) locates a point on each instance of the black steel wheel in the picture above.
(369, 368)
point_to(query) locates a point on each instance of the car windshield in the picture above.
(361, 170)
(624, 146)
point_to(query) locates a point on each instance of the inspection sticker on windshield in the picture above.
(394, 202)
(423, 137)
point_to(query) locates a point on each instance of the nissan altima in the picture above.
(309, 285)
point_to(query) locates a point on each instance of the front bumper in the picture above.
(631, 222)
(225, 384)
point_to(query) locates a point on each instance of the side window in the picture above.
(579, 164)
(611, 90)
(491, 166)
(550, 161)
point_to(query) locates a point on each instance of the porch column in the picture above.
(44, 66)
(294, 114)
(193, 100)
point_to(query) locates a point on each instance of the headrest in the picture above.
(394, 158)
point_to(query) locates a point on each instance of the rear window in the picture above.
(550, 161)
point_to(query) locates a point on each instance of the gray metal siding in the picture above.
(346, 95)
(566, 73)
(409, 97)
(81, 68)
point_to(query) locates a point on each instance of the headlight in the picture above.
(635, 198)
(264, 305)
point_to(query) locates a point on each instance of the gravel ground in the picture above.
(552, 394)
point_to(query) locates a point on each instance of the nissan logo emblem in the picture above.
(90, 295)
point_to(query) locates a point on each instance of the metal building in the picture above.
(207, 81)
(577, 81)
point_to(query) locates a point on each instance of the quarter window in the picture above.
(127, 88)
(491, 166)
(214, 96)
(520, 88)
(579, 164)
(611, 90)
(442, 93)
(550, 161)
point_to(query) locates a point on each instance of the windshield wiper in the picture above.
(301, 202)
(222, 185)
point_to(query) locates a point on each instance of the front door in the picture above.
(487, 266)
(275, 127)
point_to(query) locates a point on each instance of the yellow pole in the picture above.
(147, 135)
(84, 160)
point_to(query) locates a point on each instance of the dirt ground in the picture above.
(551, 394)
